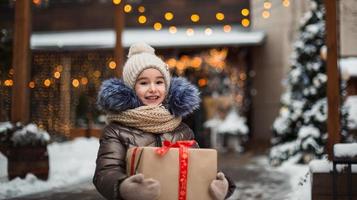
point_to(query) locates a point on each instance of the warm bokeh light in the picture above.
(142, 19)
(267, 5)
(227, 28)
(37, 2)
(57, 75)
(180, 66)
(208, 31)
(75, 82)
(47, 82)
(202, 82)
(112, 65)
(171, 62)
(157, 26)
(286, 3)
(59, 68)
(245, 22)
(84, 80)
(97, 73)
(196, 62)
(127, 8)
(169, 16)
(245, 12)
(12, 71)
(116, 2)
(31, 84)
(195, 18)
(8, 82)
(219, 16)
(141, 9)
(190, 32)
(172, 29)
(265, 14)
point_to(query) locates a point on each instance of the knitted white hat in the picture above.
(142, 56)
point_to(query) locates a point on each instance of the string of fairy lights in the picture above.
(53, 99)
(89, 69)
(215, 59)
(195, 17)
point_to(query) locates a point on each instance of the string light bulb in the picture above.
(31, 84)
(219, 16)
(8, 82)
(47, 83)
(141, 9)
(75, 83)
(190, 32)
(227, 28)
(286, 3)
(172, 29)
(127, 8)
(84, 80)
(169, 16)
(57, 75)
(112, 65)
(267, 5)
(208, 31)
(265, 14)
(195, 18)
(142, 19)
(245, 12)
(245, 22)
(157, 26)
(116, 2)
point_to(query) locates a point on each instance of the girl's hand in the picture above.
(136, 187)
(219, 187)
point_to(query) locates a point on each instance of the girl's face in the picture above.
(150, 87)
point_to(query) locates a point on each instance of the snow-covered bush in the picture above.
(20, 135)
(232, 125)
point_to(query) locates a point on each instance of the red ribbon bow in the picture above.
(166, 145)
(183, 161)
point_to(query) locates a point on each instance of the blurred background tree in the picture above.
(300, 129)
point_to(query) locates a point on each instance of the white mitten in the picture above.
(219, 187)
(136, 187)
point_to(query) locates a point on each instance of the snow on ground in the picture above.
(299, 177)
(70, 162)
(73, 162)
(258, 180)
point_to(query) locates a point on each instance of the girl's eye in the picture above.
(159, 82)
(143, 83)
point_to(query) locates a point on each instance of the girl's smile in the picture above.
(150, 87)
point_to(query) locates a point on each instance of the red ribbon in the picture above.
(183, 161)
(132, 163)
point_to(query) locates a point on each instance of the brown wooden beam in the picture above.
(119, 26)
(333, 77)
(21, 62)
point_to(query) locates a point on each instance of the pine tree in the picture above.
(300, 129)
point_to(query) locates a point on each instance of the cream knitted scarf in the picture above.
(153, 119)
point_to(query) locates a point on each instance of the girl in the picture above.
(143, 110)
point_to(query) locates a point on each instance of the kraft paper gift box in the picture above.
(202, 170)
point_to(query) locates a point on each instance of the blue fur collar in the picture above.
(114, 97)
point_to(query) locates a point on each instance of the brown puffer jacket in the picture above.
(116, 139)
